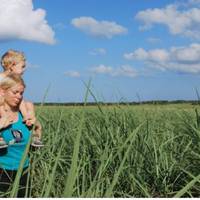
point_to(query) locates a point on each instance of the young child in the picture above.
(14, 62)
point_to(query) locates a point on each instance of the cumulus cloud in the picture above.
(19, 20)
(96, 28)
(98, 51)
(73, 74)
(184, 22)
(124, 70)
(102, 69)
(182, 59)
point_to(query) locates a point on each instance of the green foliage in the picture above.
(117, 151)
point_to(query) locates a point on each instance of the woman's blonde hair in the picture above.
(11, 57)
(11, 80)
(8, 82)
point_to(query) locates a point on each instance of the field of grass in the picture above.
(117, 151)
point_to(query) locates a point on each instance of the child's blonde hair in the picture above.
(11, 57)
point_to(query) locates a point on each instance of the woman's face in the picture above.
(14, 95)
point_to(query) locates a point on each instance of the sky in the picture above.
(130, 50)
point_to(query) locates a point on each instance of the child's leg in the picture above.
(30, 108)
(37, 131)
(28, 112)
(23, 109)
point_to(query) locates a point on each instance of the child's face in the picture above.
(18, 68)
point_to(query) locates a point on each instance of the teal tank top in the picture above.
(17, 135)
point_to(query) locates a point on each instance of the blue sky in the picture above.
(131, 49)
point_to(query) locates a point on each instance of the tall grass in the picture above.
(117, 151)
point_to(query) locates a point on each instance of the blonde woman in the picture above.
(14, 131)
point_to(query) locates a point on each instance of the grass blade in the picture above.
(68, 191)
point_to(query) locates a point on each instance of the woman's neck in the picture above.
(10, 112)
(7, 108)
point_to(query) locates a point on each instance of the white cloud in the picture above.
(19, 20)
(124, 70)
(183, 22)
(187, 55)
(181, 59)
(139, 54)
(102, 69)
(96, 28)
(73, 74)
(98, 51)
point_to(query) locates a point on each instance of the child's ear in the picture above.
(10, 69)
(11, 66)
(2, 92)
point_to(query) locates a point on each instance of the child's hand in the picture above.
(29, 120)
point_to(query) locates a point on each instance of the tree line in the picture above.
(152, 102)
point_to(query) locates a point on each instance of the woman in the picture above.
(14, 132)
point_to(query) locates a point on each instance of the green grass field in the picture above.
(117, 151)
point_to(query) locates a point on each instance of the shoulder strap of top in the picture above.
(20, 117)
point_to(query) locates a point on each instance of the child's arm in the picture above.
(28, 112)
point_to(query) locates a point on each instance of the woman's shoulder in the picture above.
(1, 110)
